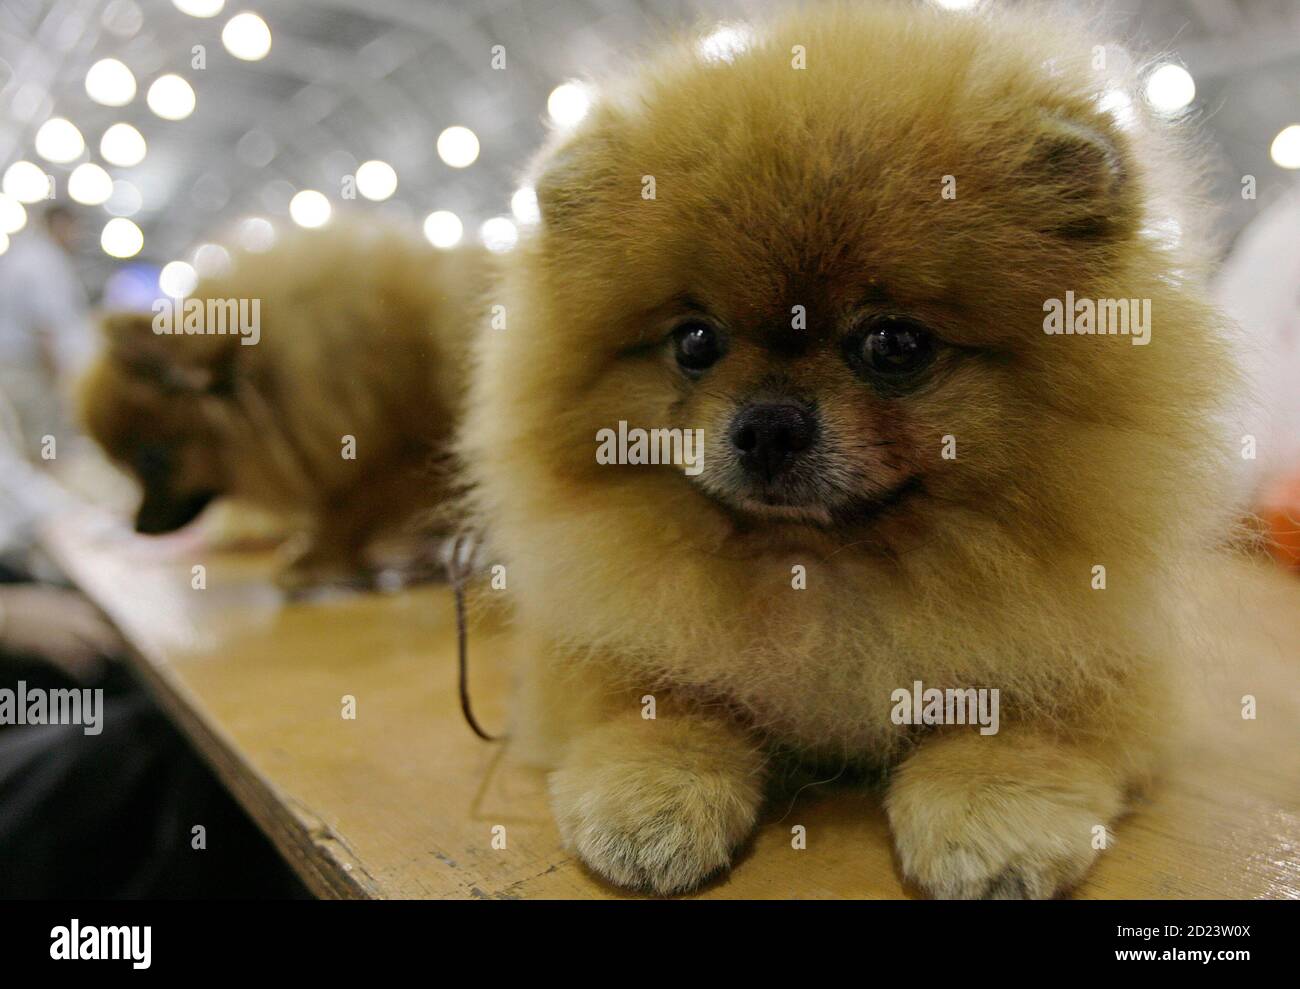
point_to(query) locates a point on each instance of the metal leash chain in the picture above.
(458, 559)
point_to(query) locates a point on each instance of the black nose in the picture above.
(770, 437)
(160, 514)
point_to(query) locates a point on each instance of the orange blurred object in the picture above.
(1280, 510)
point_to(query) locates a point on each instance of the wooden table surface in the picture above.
(403, 801)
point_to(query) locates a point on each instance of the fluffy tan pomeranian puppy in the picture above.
(844, 253)
(335, 407)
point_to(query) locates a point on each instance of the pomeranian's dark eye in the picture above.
(893, 346)
(697, 345)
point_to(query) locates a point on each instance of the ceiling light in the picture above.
(12, 215)
(498, 234)
(26, 182)
(724, 43)
(110, 83)
(171, 97)
(256, 235)
(177, 279)
(125, 200)
(89, 184)
(246, 36)
(122, 145)
(121, 238)
(568, 103)
(1170, 88)
(310, 209)
(1285, 149)
(523, 204)
(376, 180)
(443, 229)
(200, 8)
(211, 260)
(59, 141)
(122, 18)
(458, 147)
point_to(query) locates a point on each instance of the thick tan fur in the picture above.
(778, 186)
(364, 334)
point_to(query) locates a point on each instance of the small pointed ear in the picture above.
(557, 185)
(1083, 181)
(173, 363)
(572, 172)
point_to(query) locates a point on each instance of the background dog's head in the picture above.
(150, 402)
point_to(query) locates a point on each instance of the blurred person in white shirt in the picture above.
(46, 336)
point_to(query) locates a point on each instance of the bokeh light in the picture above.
(200, 8)
(1285, 149)
(310, 209)
(171, 97)
(376, 180)
(1170, 88)
(121, 238)
(523, 204)
(256, 234)
(110, 83)
(177, 279)
(89, 184)
(568, 103)
(247, 37)
(126, 199)
(26, 182)
(458, 146)
(123, 145)
(211, 260)
(12, 215)
(498, 234)
(59, 141)
(443, 229)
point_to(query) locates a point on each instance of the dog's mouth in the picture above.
(782, 511)
(820, 511)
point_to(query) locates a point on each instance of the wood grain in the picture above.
(402, 801)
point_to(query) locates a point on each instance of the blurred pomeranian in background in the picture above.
(333, 404)
(851, 251)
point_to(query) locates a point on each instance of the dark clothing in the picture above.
(111, 815)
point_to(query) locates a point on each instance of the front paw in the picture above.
(1019, 825)
(309, 581)
(308, 570)
(652, 816)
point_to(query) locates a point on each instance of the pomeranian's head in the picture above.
(148, 402)
(248, 388)
(837, 251)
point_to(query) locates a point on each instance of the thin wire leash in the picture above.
(458, 560)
